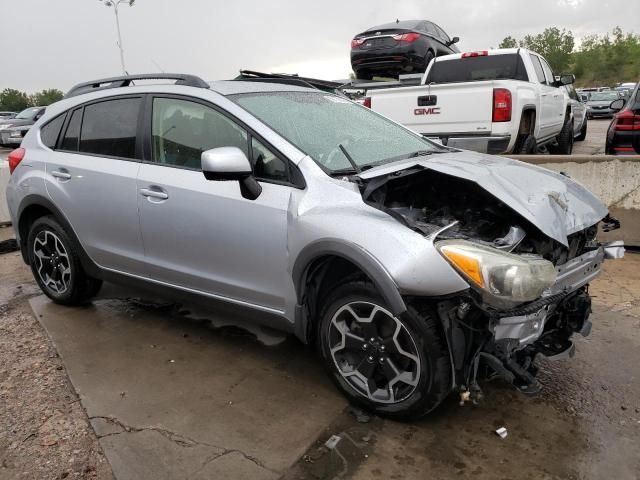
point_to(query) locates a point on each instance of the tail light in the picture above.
(367, 102)
(406, 37)
(15, 158)
(356, 42)
(501, 105)
(626, 121)
(479, 53)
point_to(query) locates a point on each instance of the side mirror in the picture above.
(617, 105)
(454, 40)
(230, 163)
(566, 79)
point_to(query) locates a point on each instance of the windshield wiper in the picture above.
(346, 154)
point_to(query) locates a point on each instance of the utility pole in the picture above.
(115, 4)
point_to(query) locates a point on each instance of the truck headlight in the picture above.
(504, 275)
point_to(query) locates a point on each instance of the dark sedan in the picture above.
(399, 47)
(26, 117)
(623, 136)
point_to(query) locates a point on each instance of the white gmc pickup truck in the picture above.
(492, 101)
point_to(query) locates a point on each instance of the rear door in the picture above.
(91, 177)
(547, 115)
(557, 99)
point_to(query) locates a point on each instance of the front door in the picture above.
(203, 235)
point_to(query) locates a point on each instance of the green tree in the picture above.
(13, 100)
(553, 44)
(508, 42)
(46, 97)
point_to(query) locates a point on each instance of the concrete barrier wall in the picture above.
(4, 179)
(615, 179)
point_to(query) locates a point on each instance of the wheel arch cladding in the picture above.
(315, 254)
(33, 207)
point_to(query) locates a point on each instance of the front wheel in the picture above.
(564, 140)
(583, 132)
(395, 366)
(55, 264)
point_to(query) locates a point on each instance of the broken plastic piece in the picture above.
(502, 432)
(332, 442)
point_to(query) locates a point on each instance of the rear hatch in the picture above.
(439, 109)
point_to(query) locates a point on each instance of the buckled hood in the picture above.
(552, 202)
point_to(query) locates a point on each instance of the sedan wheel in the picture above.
(52, 261)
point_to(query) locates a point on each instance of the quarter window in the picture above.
(538, 68)
(109, 128)
(70, 140)
(182, 130)
(50, 132)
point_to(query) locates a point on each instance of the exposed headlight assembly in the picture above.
(506, 276)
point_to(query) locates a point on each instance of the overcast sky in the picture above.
(57, 43)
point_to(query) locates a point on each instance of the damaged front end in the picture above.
(528, 258)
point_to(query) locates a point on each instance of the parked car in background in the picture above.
(599, 103)
(12, 137)
(25, 118)
(414, 268)
(579, 111)
(7, 115)
(491, 101)
(623, 136)
(399, 47)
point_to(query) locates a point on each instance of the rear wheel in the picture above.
(55, 264)
(564, 140)
(396, 366)
(427, 59)
(526, 145)
(583, 132)
(364, 75)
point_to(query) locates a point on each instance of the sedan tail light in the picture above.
(15, 158)
(626, 121)
(406, 37)
(501, 105)
(356, 42)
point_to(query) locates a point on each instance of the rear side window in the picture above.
(50, 132)
(538, 68)
(109, 128)
(71, 136)
(471, 69)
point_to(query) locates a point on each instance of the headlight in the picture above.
(16, 134)
(5, 126)
(503, 275)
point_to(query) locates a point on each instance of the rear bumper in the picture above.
(400, 58)
(492, 144)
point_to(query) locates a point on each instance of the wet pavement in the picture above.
(171, 396)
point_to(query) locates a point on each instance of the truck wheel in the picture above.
(395, 366)
(55, 264)
(583, 132)
(526, 145)
(564, 140)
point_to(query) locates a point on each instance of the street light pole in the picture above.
(115, 4)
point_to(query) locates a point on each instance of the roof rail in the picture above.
(125, 81)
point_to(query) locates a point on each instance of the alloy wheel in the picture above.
(52, 261)
(374, 352)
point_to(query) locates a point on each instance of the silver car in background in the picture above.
(599, 104)
(416, 269)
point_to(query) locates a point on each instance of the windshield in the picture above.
(27, 114)
(602, 96)
(326, 126)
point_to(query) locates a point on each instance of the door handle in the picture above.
(62, 175)
(147, 192)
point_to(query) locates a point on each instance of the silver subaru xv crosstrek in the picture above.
(418, 270)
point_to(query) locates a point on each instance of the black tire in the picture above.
(564, 140)
(364, 76)
(59, 274)
(526, 145)
(583, 132)
(418, 331)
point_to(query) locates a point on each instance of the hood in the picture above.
(16, 122)
(552, 202)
